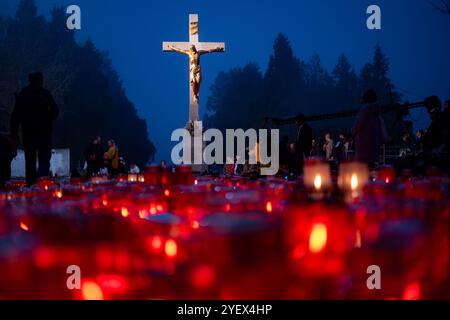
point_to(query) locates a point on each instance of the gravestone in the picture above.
(59, 164)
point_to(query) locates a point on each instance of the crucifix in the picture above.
(194, 49)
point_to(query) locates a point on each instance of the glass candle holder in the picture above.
(45, 183)
(132, 177)
(386, 175)
(317, 178)
(99, 179)
(152, 175)
(353, 176)
(183, 175)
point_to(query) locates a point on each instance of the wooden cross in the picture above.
(203, 47)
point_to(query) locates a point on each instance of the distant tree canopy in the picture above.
(87, 89)
(441, 5)
(242, 97)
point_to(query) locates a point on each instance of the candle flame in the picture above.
(167, 192)
(318, 182)
(318, 238)
(24, 227)
(358, 239)
(125, 213)
(195, 224)
(92, 291)
(142, 214)
(269, 207)
(171, 248)
(354, 182)
(156, 242)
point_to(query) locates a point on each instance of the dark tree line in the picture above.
(441, 5)
(87, 89)
(242, 97)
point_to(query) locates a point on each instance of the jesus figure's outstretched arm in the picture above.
(218, 49)
(178, 50)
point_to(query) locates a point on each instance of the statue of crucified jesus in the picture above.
(195, 70)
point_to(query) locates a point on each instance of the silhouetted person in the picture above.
(314, 149)
(368, 130)
(341, 149)
(434, 136)
(446, 121)
(94, 156)
(435, 143)
(303, 144)
(285, 152)
(419, 137)
(35, 111)
(8, 149)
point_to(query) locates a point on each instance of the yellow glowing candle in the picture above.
(353, 177)
(125, 213)
(318, 182)
(317, 178)
(269, 207)
(318, 238)
(354, 182)
(132, 177)
(171, 248)
(92, 291)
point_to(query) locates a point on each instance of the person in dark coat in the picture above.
(8, 148)
(35, 111)
(435, 134)
(341, 149)
(304, 138)
(446, 121)
(368, 130)
(94, 156)
(303, 144)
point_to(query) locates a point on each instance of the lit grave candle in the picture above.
(353, 176)
(132, 177)
(317, 178)
(386, 175)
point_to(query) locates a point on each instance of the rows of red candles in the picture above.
(174, 235)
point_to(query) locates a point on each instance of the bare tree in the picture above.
(441, 5)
